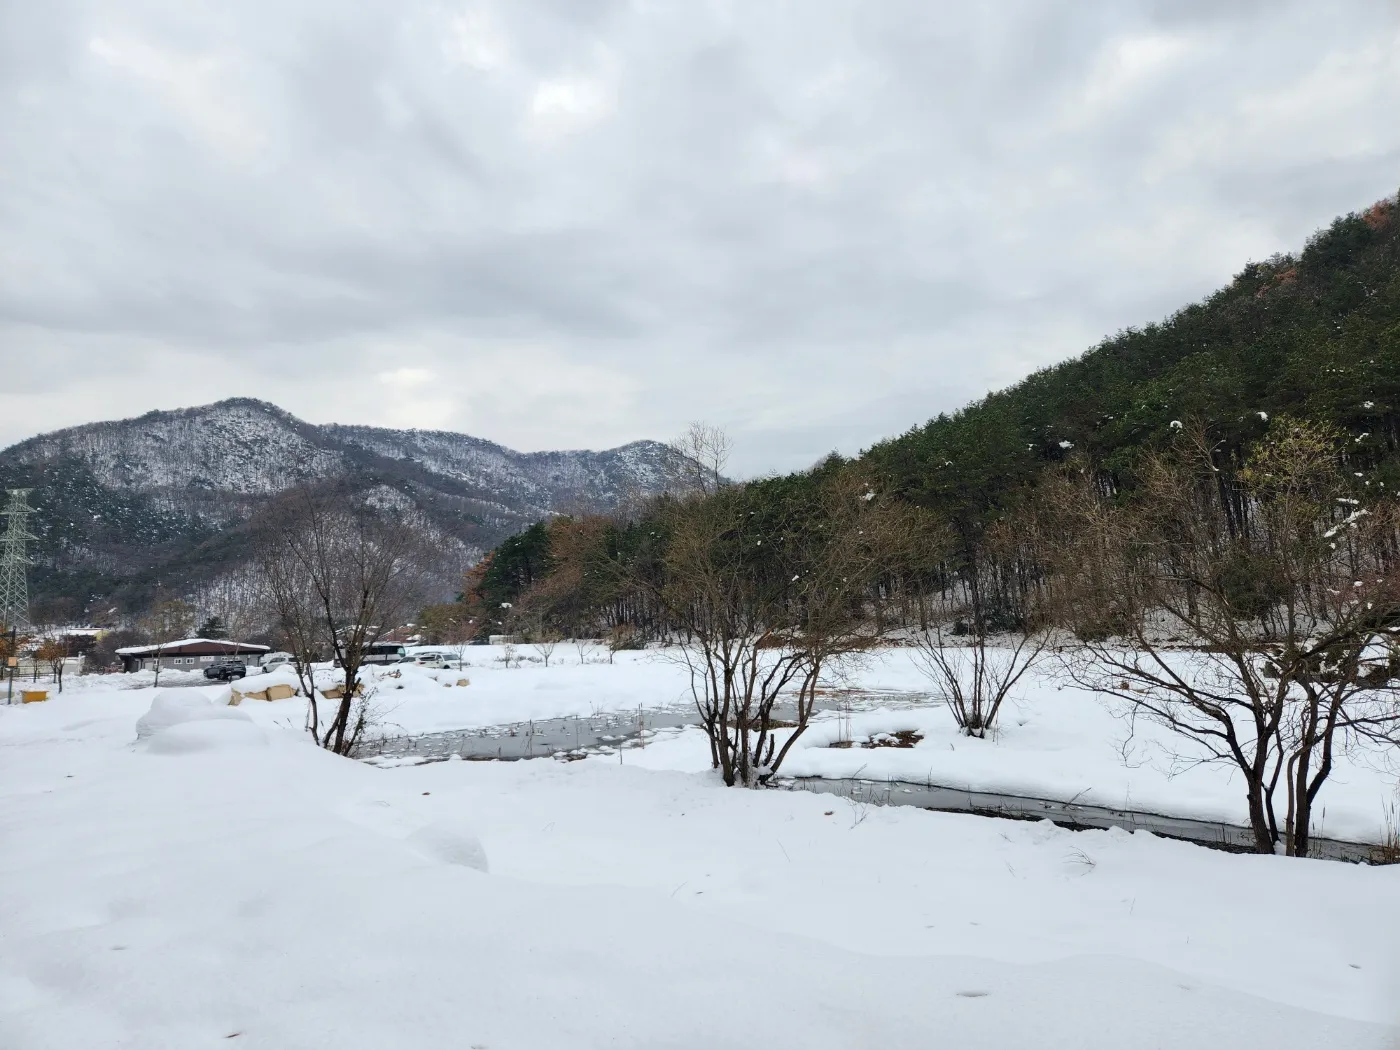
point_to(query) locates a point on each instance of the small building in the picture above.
(189, 654)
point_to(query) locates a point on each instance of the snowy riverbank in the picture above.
(1054, 740)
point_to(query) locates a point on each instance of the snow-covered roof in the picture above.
(184, 643)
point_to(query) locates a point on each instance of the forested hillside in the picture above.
(1316, 335)
(1312, 337)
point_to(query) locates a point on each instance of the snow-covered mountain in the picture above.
(163, 496)
(241, 447)
(543, 481)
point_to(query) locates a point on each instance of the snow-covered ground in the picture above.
(223, 879)
(1055, 741)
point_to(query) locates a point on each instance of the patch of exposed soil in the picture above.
(902, 738)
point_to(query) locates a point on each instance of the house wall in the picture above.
(182, 662)
(191, 663)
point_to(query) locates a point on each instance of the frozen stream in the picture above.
(1077, 816)
(605, 734)
(578, 737)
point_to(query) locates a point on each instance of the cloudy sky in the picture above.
(574, 223)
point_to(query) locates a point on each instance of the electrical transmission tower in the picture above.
(14, 586)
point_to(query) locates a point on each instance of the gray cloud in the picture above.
(574, 224)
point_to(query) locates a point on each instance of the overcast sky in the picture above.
(566, 223)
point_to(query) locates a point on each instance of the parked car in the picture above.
(275, 660)
(381, 653)
(385, 653)
(225, 670)
(432, 658)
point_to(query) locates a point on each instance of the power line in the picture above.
(14, 585)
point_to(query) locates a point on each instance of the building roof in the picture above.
(222, 645)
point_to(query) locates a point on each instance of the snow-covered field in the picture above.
(1055, 741)
(223, 879)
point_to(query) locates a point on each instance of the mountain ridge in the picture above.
(131, 506)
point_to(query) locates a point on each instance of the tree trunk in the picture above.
(1302, 819)
(1259, 818)
(342, 719)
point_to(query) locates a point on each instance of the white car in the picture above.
(275, 660)
(434, 659)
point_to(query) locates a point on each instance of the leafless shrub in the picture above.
(544, 644)
(764, 623)
(975, 675)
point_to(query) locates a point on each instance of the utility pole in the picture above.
(12, 659)
(14, 584)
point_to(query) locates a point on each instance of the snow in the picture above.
(180, 872)
(1064, 745)
(451, 842)
(172, 707)
(414, 699)
(1055, 741)
(538, 480)
(278, 896)
(144, 679)
(206, 735)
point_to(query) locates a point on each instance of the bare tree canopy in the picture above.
(339, 575)
(1253, 616)
(972, 643)
(167, 622)
(698, 459)
(768, 597)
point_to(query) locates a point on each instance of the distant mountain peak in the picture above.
(158, 496)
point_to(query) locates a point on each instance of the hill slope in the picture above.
(165, 498)
(1315, 335)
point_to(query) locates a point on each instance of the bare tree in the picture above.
(698, 458)
(972, 664)
(291, 596)
(765, 622)
(622, 638)
(459, 635)
(544, 641)
(52, 651)
(168, 621)
(358, 563)
(1283, 590)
